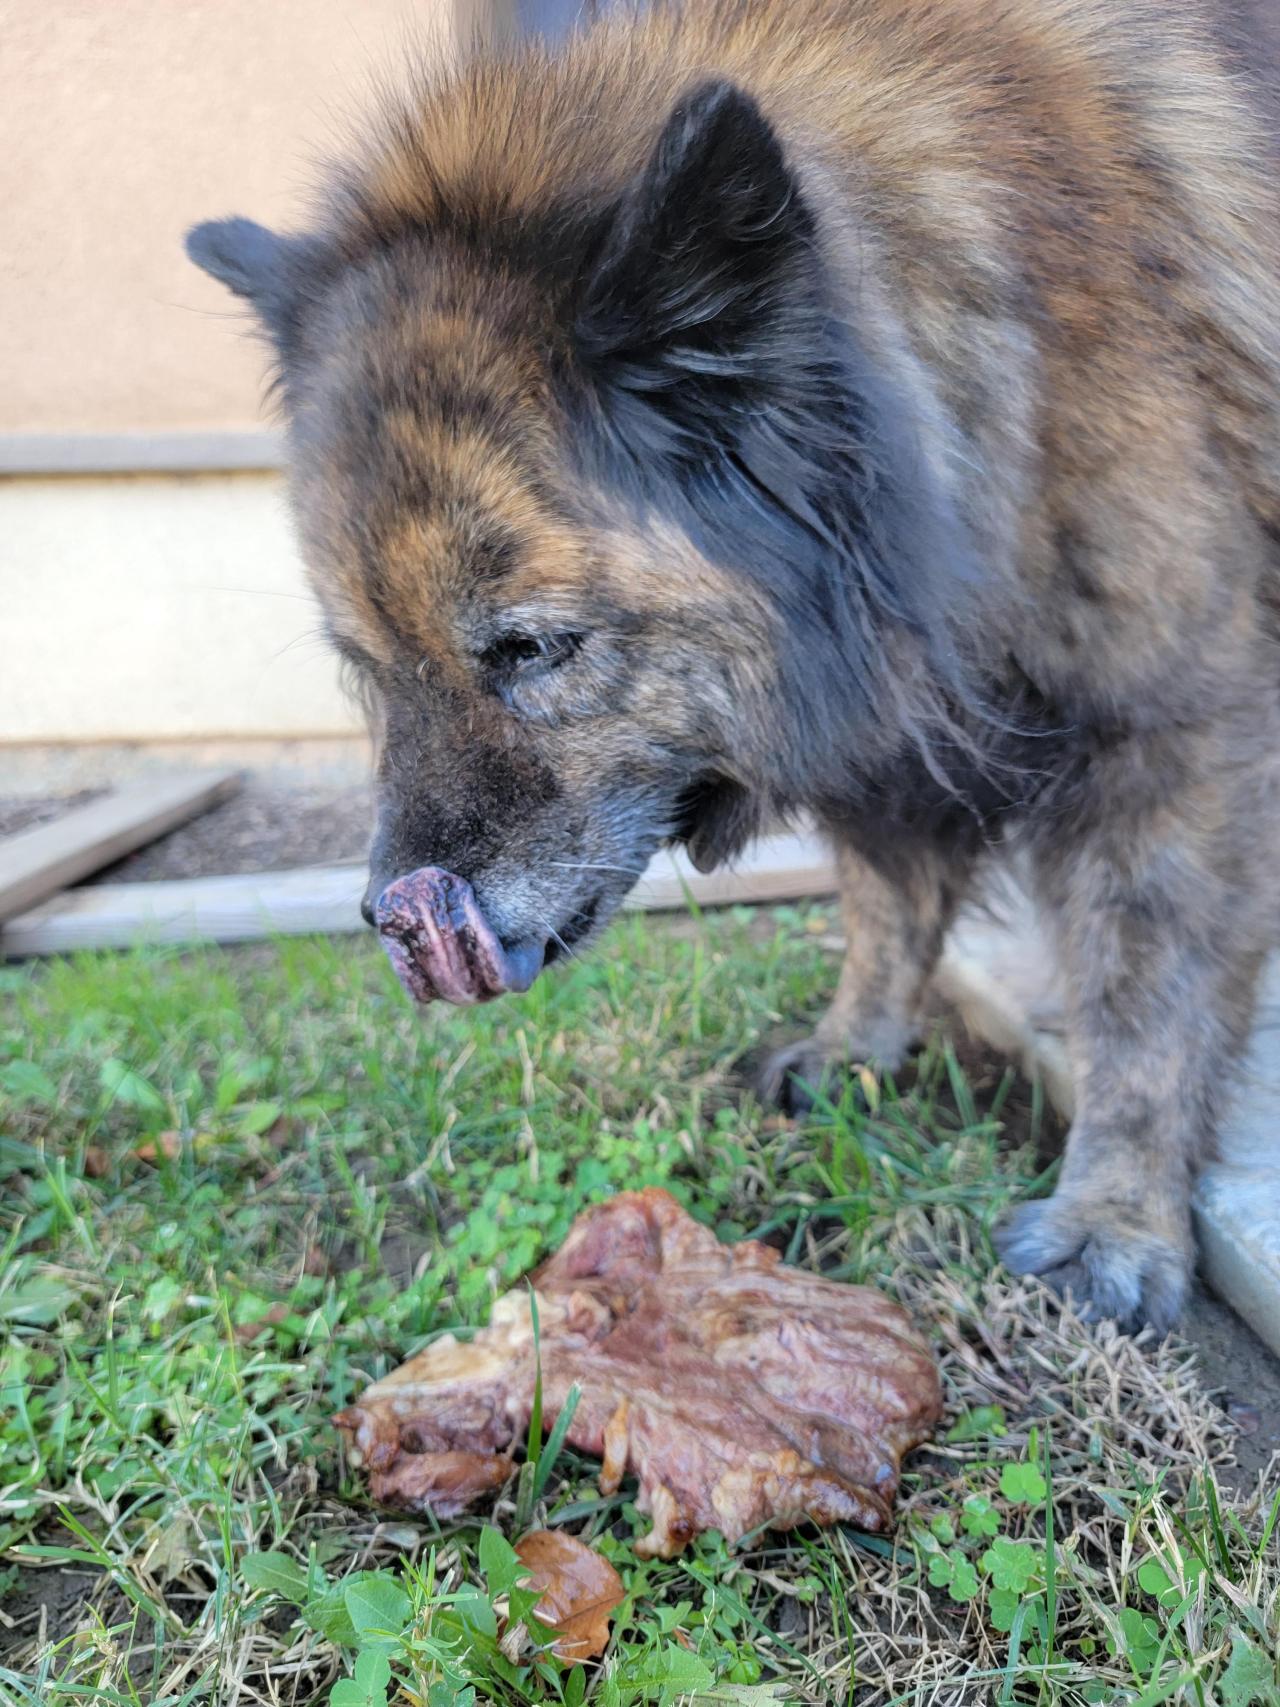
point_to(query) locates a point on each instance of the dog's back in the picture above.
(1250, 33)
(1048, 190)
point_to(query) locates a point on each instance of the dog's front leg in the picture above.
(897, 900)
(1157, 897)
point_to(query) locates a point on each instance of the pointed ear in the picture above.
(259, 265)
(706, 257)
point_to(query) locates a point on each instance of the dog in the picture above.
(863, 407)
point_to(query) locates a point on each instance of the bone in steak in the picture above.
(740, 1392)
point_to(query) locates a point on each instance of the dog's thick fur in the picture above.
(866, 406)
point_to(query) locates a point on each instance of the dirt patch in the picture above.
(263, 828)
(1243, 1375)
(46, 1605)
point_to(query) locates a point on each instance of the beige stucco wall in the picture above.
(158, 608)
(162, 608)
(125, 121)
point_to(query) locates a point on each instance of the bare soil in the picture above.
(1244, 1376)
(53, 1601)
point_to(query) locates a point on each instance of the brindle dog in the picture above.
(869, 407)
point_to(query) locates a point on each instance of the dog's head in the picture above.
(601, 495)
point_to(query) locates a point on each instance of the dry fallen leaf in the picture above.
(96, 1162)
(166, 1144)
(283, 1131)
(246, 1331)
(168, 1547)
(578, 1590)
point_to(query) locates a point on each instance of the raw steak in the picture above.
(739, 1392)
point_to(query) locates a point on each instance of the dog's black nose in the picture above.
(370, 900)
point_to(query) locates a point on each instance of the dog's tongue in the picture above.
(441, 944)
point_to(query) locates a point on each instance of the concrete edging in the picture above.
(218, 452)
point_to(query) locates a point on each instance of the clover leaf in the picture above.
(952, 1571)
(1154, 1579)
(1002, 1607)
(979, 1516)
(1139, 1639)
(1023, 1483)
(1012, 1564)
(368, 1688)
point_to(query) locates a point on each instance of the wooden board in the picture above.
(37, 863)
(782, 867)
(327, 898)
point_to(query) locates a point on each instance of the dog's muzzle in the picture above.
(442, 946)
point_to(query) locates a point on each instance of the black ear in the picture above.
(686, 303)
(259, 265)
(721, 817)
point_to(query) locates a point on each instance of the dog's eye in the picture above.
(517, 651)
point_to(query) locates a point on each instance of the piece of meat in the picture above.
(740, 1393)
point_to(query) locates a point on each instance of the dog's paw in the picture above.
(1117, 1264)
(793, 1078)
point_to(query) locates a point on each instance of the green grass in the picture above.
(334, 1181)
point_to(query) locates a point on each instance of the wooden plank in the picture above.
(190, 910)
(37, 863)
(327, 899)
(782, 867)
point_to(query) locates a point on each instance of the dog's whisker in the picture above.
(576, 865)
(564, 946)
